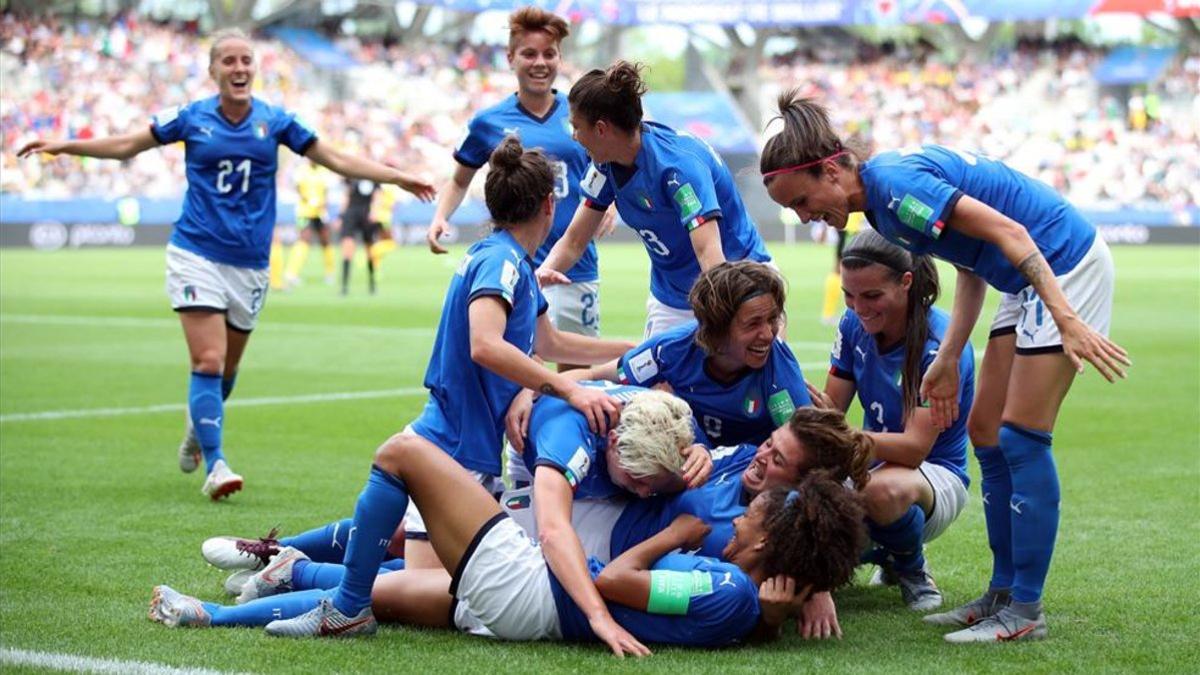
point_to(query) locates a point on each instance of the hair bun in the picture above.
(507, 155)
(625, 77)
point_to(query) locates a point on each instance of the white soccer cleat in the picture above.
(235, 553)
(273, 579)
(325, 621)
(1004, 626)
(919, 591)
(177, 610)
(221, 482)
(971, 613)
(235, 582)
(189, 448)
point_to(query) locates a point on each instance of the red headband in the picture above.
(801, 167)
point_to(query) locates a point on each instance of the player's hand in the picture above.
(775, 598)
(818, 618)
(697, 465)
(618, 639)
(516, 421)
(601, 410)
(690, 531)
(819, 398)
(41, 145)
(1081, 343)
(940, 388)
(433, 236)
(424, 190)
(548, 277)
(608, 223)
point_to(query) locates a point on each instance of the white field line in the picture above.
(88, 664)
(235, 403)
(269, 326)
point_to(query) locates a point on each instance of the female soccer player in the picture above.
(1003, 229)
(539, 114)
(740, 379)
(503, 585)
(886, 340)
(218, 256)
(670, 187)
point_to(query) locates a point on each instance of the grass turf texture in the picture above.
(94, 512)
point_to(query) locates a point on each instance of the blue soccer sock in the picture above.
(903, 539)
(227, 383)
(1034, 505)
(307, 575)
(380, 508)
(207, 410)
(997, 492)
(263, 611)
(325, 544)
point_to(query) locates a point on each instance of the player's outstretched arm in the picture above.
(451, 197)
(567, 251)
(1080, 343)
(940, 384)
(552, 501)
(706, 242)
(353, 166)
(627, 580)
(911, 446)
(562, 347)
(120, 147)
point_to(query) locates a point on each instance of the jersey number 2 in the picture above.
(226, 167)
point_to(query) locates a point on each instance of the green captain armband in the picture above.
(671, 592)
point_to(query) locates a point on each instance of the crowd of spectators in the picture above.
(1036, 106)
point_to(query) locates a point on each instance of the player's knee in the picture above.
(983, 430)
(390, 455)
(209, 361)
(886, 499)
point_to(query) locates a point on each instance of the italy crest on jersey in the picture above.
(260, 130)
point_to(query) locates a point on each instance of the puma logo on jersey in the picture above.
(727, 581)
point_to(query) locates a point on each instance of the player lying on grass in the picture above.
(740, 379)
(887, 339)
(1003, 229)
(219, 251)
(503, 584)
(649, 452)
(670, 187)
(492, 319)
(813, 439)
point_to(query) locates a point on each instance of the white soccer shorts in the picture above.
(196, 283)
(575, 308)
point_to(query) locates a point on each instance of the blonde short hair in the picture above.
(654, 427)
(223, 35)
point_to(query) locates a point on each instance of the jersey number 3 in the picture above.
(226, 167)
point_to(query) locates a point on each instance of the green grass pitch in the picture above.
(94, 512)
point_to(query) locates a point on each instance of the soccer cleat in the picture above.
(325, 621)
(234, 553)
(971, 613)
(189, 448)
(236, 581)
(884, 575)
(174, 609)
(1004, 626)
(918, 590)
(221, 481)
(273, 579)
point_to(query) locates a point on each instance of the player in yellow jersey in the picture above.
(382, 211)
(312, 187)
(833, 280)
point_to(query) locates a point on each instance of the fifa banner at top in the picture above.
(825, 12)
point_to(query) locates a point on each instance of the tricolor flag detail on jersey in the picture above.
(752, 406)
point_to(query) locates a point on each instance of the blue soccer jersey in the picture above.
(559, 437)
(746, 411)
(551, 133)
(229, 208)
(467, 402)
(678, 183)
(876, 376)
(911, 194)
(722, 607)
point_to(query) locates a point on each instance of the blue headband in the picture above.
(792, 497)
